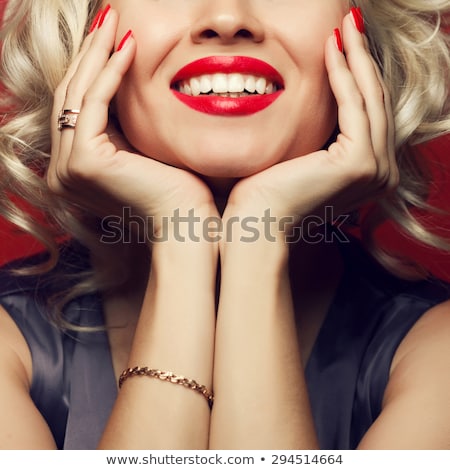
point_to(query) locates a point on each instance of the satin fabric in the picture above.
(74, 386)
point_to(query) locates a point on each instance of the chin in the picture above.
(229, 165)
(227, 168)
(222, 158)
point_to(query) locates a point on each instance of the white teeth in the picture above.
(187, 89)
(261, 85)
(270, 89)
(234, 85)
(220, 83)
(195, 86)
(205, 84)
(250, 84)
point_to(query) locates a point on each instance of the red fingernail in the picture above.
(95, 21)
(124, 40)
(103, 15)
(338, 39)
(358, 19)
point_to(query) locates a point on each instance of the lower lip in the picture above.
(219, 106)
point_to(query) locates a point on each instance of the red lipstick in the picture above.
(215, 104)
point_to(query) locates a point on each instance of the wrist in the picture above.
(254, 232)
(185, 226)
(254, 262)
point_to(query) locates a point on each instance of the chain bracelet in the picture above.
(167, 377)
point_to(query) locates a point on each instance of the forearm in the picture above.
(175, 333)
(260, 394)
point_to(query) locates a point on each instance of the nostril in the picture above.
(244, 33)
(208, 34)
(241, 33)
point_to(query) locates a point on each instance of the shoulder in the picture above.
(416, 406)
(25, 305)
(22, 425)
(22, 305)
(15, 356)
(427, 344)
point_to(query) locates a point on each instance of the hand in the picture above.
(359, 167)
(93, 165)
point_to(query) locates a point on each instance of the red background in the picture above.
(13, 244)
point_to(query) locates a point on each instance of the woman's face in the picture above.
(185, 47)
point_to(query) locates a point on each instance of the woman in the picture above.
(221, 115)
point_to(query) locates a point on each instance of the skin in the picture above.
(267, 313)
(290, 36)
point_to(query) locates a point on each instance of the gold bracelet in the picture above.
(167, 377)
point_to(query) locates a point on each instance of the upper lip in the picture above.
(229, 65)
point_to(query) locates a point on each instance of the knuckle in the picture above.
(59, 98)
(387, 181)
(358, 99)
(65, 176)
(76, 172)
(388, 177)
(60, 93)
(378, 92)
(92, 95)
(74, 90)
(81, 169)
(394, 180)
(383, 179)
(55, 183)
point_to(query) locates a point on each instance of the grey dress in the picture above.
(74, 386)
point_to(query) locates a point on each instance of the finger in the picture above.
(58, 104)
(391, 152)
(84, 71)
(353, 120)
(94, 118)
(61, 90)
(371, 86)
(90, 66)
(69, 95)
(91, 145)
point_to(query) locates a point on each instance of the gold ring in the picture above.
(67, 119)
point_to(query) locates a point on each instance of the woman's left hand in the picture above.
(359, 167)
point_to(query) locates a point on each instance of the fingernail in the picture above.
(358, 19)
(95, 21)
(338, 39)
(103, 15)
(124, 40)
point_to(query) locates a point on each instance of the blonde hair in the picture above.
(41, 38)
(410, 41)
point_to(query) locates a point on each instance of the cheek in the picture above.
(135, 117)
(308, 27)
(315, 121)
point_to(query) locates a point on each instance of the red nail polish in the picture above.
(358, 19)
(124, 40)
(95, 21)
(338, 39)
(103, 15)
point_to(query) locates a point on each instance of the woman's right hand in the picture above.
(93, 165)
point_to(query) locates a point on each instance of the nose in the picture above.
(226, 22)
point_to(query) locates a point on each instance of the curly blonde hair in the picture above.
(41, 38)
(410, 41)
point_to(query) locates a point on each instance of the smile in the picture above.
(227, 85)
